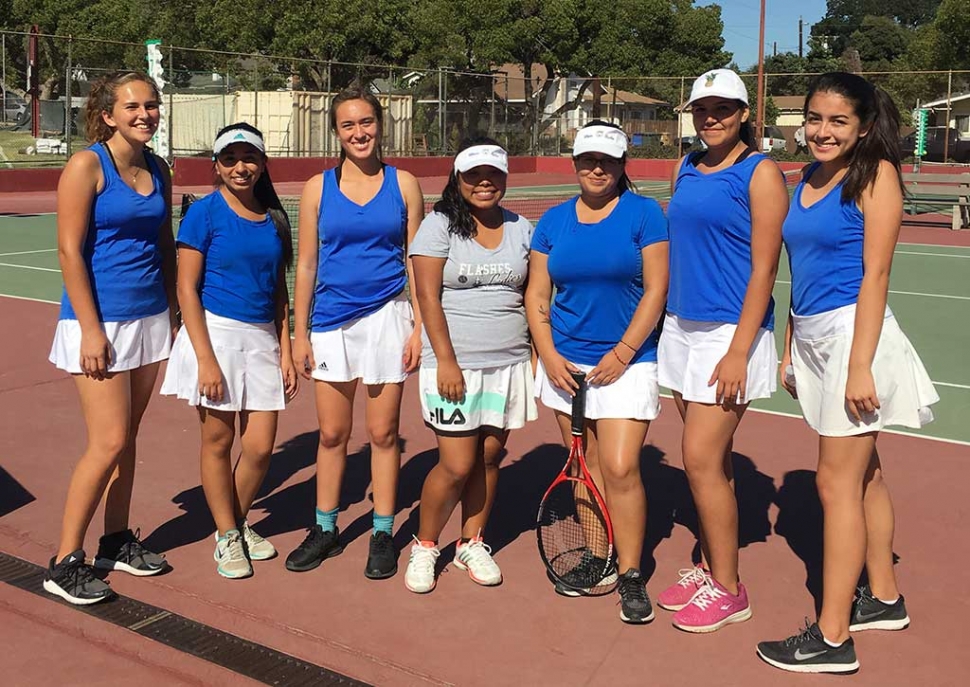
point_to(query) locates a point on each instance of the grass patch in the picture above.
(13, 142)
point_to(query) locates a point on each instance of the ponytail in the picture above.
(878, 116)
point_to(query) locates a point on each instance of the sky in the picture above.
(781, 25)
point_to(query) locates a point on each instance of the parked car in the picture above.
(936, 136)
(14, 106)
(773, 139)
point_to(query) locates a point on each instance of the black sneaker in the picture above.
(870, 613)
(808, 652)
(635, 606)
(75, 582)
(382, 558)
(315, 549)
(580, 574)
(124, 551)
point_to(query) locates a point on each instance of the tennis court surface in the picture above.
(462, 634)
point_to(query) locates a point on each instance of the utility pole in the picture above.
(801, 29)
(774, 48)
(759, 121)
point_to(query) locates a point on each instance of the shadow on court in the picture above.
(800, 524)
(669, 503)
(12, 494)
(196, 523)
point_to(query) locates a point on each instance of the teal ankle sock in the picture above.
(327, 519)
(383, 523)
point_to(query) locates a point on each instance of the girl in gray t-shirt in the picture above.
(470, 261)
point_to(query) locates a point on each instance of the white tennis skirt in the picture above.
(820, 357)
(634, 396)
(689, 351)
(370, 348)
(249, 357)
(500, 397)
(134, 343)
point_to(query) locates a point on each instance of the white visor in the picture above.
(600, 139)
(238, 136)
(493, 156)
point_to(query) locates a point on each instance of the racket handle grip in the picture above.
(579, 404)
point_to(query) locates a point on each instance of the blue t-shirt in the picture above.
(361, 260)
(710, 243)
(242, 259)
(121, 247)
(597, 270)
(824, 245)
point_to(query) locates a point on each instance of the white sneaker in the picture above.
(475, 557)
(259, 549)
(231, 556)
(419, 577)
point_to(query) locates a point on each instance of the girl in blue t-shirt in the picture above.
(232, 356)
(605, 252)
(117, 256)
(717, 353)
(847, 362)
(353, 320)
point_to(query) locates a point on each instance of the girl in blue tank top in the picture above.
(117, 319)
(353, 321)
(716, 351)
(848, 363)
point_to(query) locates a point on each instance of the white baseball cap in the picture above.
(600, 139)
(720, 83)
(474, 156)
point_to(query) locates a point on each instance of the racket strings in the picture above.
(574, 535)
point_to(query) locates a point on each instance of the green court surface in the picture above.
(929, 294)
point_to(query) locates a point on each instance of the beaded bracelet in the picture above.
(618, 357)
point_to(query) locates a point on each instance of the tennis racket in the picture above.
(573, 528)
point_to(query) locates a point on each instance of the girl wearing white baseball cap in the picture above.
(717, 353)
(471, 260)
(605, 252)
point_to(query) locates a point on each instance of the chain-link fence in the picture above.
(426, 111)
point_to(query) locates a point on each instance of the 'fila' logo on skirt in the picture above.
(456, 418)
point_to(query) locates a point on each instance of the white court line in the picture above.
(25, 298)
(932, 245)
(29, 267)
(40, 250)
(883, 431)
(907, 293)
(954, 386)
(933, 255)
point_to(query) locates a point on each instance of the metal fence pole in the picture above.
(491, 103)
(171, 106)
(68, 119)
(506, 110)
(4, 114)
(441, 119)
(680, 119)
(946, 124)
(328, 99)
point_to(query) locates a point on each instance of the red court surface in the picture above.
(519, 633)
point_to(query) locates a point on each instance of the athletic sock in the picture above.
(327, 519)
(383, 523)
(890, 603)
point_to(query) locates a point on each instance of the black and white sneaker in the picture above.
(314, 550)
(870, 613)
(381, 558)
(75, 582)
(635, 606)
(582, 572)
(124, 551)
(808, 652)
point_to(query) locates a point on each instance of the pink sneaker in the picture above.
(712, 608)
(679, 594)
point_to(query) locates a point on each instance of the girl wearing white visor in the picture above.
(232, 357)
(471, 260)
(717, 353)
(605, 252)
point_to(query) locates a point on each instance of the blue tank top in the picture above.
(824, 245)
(121, 247)
(360, 265)
(710, 243)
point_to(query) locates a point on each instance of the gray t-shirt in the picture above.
(481, 293)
